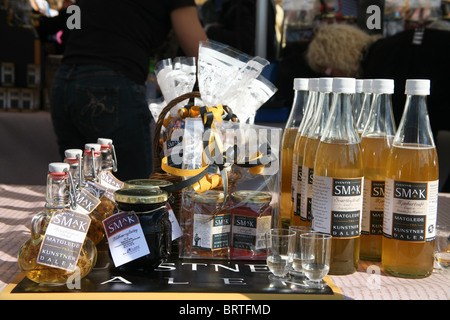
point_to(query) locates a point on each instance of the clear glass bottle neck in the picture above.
(340, 126)
(381, 117)
(364, 111)
(320, 116)
(309, 112)
(414, 128)
(58, 190)
(298, 109)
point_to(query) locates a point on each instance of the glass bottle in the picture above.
(313, 136)
(358, 99)
(92, 161)
(74, 157)
(338, 181)
(109, 159)
(149, 205)
(376, 141)
(287, 147)
(411, 190)
(365, 106)
(299, 149)
(57, 198)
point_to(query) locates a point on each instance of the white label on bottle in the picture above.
(211, 232)
(305, 207)
(63, 240)
(337, 206)
(294, 180)
(410, 210)
(373, 207)
(126, 239)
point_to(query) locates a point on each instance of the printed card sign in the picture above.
(126, 239)
(86, 201)
(64, 239)
(176, 229)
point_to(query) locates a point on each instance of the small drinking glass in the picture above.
(297, 269)
(442, 247)
(280, 252)
(316, 248)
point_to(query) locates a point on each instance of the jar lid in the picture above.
(140, 196)
(210, 196)
(251, 196)
(146, 183)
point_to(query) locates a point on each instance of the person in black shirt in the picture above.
(99, 89)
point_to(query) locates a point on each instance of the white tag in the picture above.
(126, 239)
(176, 230)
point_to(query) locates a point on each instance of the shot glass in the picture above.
(442, 247)
(316, 253)
(297, 270)
(280, 252)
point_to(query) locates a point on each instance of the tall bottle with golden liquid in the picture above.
(313, 136)
(366, 103)
(299, 147)
(287, 147)
(411, 190)
(376, 141)
(338, 181)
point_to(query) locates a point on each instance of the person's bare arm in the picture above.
(188, 29)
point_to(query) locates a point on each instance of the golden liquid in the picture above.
(298, 151)
(341, 160)
(404, 258)
(287, 152)
(375, 151)
(308, 161)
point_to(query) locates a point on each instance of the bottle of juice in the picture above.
(411, 190)
(365, 106)
(299, 147)
(338, 181)
(313, 136)
(376, 141)
(287, 147)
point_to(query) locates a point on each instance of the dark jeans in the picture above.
(90, 102)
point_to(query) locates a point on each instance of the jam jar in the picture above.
(207, 230)
(150, 207)
(251, 218)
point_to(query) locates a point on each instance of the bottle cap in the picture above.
(367, 85)
(359, 85)
(383, 86)
(301, 84)
(88, 146)
(344, 85)
(313, 84)
(104, 141)
(417, 86)
(58, 167)
(325, 84)
(73, 153)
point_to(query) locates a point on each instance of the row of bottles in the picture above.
(354, 175)
(64, 235)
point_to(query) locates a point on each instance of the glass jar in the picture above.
(207, 231)
(251, 218)
(150, 207)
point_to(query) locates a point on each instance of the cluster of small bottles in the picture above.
(349, 172)
(66, 182)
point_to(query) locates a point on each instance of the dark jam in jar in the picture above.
(150, 207)
(251, 218)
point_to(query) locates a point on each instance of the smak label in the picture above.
(410, 190)
(347, 187)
